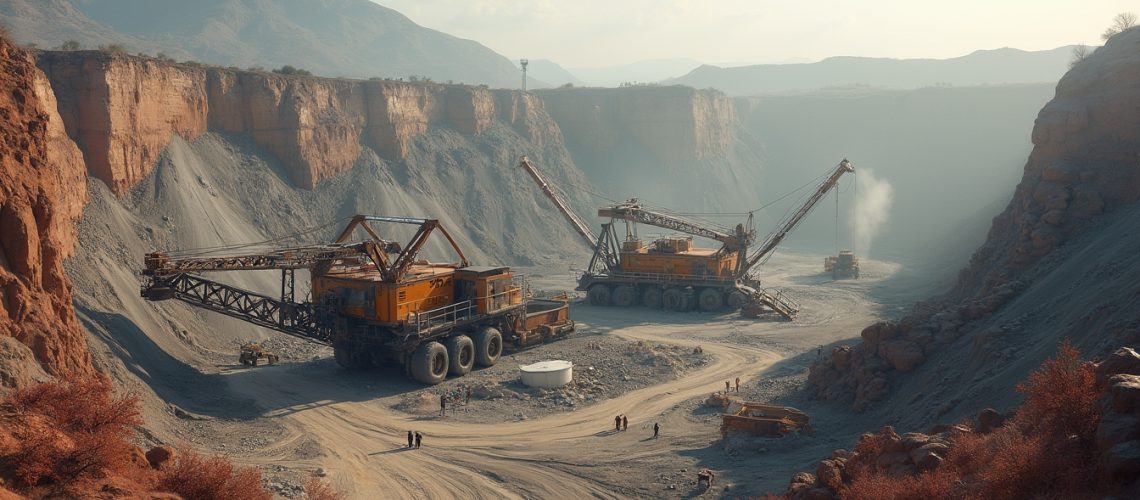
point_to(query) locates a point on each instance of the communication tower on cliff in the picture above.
(523, 63)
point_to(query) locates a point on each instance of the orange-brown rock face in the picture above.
(124, 110)
(42, 191)
(1085, 161)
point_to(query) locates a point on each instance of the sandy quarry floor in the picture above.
(512, 443)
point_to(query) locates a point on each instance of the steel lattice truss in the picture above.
(300, 320)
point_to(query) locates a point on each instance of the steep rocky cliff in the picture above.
(627, 138)
(123, 111)
(1059, 262)
(42, 192)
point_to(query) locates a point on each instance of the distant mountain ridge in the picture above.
(350, 38)
(982, 67)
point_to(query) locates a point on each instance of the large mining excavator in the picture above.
(670, 272)
(373, 301)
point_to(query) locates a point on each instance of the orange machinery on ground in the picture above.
(374, 301)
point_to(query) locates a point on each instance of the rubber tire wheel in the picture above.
(651, 298)
(460, 355)
(429, 363)
(736, 299)
(624, 296)
(599, 295)
(673, 299)
(488, 346)
(710, 299)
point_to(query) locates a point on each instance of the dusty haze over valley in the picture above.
(254, 248)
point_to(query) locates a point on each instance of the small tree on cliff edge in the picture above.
(289, 70)
(1121, 22)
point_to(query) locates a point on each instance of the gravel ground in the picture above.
(605, 367)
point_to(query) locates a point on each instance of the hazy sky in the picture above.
(594, 33)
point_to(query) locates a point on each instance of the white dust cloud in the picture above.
(873, 197)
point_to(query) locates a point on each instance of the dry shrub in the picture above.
(878, 485)
(1060, 396)
(195, 477)
(1047, 450)
(85, 433)
(315, 489)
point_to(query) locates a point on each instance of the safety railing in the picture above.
(451, 314)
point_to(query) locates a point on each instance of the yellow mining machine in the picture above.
(373, 301)
(842, 266)
(670, 272)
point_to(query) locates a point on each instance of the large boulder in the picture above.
(1124, 360)
(1124, 390)
(928, 456)
(903, 355)
(988, 420)
(879, 332)
(829, 473)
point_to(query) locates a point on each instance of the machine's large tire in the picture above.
(675, 299)
(651, 297)
(350, 358)
(488, 346)
(429, 363)
(710, 299)
(460, 355)
(599, 295)
(624, 296)
(736, 299)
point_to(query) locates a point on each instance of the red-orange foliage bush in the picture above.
(87, 428)
(315, 489)
(1060, 396)
(1047, 450)
(195, 477)
(876, 484)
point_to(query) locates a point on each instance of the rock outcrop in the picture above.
(624, 136)
(1085, 163)
(42, 192)
(677, 124)
(123, 111)
(1118, 434)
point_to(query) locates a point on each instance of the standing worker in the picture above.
(419, 439)
(737, 384)
(409, 439)
(442, 405)
(624, 423)
(468, 396)
(617, 423)
(727, 387)
(656, 429)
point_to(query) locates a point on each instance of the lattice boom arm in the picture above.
(159, 263)
(298, 319)
(634, 213)
(777, 236)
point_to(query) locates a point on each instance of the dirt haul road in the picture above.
(576, 454)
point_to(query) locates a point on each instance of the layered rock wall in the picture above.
(123, 110)
(1085, 162)
(677, 124)
(42, 191)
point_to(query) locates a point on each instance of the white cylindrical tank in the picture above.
(547, 374)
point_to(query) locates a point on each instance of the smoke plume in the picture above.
(873, 198)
